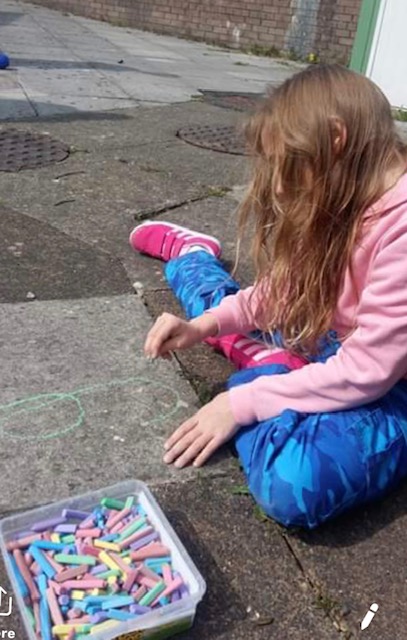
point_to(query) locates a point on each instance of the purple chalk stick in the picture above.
(99, 568)
(100, 616)
(184, 591)
(63, 599)
(75, 515)
(38, 527)
(175, 596)
(66, 528)
(138, 609)
(23, 534)
(143, 541)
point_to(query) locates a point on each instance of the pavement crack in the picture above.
(323, 600)
(155, 211)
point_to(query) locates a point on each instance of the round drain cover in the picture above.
(26, 150)
(219, 138)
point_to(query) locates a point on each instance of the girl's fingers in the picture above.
(206, 453)
(193, 451)
(182, 445)
(182, 431)
(161, 331)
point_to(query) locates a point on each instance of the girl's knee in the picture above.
(301, 500)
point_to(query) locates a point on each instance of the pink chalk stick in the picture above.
(73, 614)
(117, 517)
(69, 574)
(85, 584)
(56, 614)
(87, 523)
(89, 533)
(167, 574)
(28, 559)
(175, 584)
(35, 569)
(23, 542)
(71, 635)
(25, 572)
(130, 580)
(149, 573)
(147, 582)
(36, 611)
(89, 550)
(120, 563)
(152, 550)
(55, 586)
(136, 536)
(58, 567)
(141, 591)
(118, 527)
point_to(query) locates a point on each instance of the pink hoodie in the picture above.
(372, 359)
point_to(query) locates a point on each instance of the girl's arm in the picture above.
(235, 314)
(365, 367)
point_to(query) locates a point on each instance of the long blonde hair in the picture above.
(322, 144)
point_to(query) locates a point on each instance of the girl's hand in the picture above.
(170, 332)
(199, 437)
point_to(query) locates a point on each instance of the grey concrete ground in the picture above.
(64, 64)
(79, 406)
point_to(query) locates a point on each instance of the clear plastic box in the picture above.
(156, 625)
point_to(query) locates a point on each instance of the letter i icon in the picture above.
(369, 616)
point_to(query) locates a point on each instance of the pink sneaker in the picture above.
(246, 353)
(165, 240)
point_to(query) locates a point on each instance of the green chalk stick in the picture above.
(129, 502)
(106, 574)
(111, 503)
(69, 539)
(64, 558)
(31, 616)
(151, 595)
(131, 528)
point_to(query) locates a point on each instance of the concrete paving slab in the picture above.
(360, 559)
(36, 258)
(129, 167)
(79, 406)
(13, 100)
(254, 587)
(37, 38)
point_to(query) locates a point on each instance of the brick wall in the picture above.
(324, 27)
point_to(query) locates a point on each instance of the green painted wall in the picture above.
(364, 35)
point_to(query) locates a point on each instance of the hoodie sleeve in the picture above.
(236, 313)
(365, 367)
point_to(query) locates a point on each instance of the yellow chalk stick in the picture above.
(110, 546)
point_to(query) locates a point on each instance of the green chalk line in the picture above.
(45, 401)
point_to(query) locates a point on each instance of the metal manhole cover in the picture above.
(26, 150)
(226, 139)
(232, 100)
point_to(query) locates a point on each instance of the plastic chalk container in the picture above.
(158, 624)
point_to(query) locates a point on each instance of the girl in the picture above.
(320, 420)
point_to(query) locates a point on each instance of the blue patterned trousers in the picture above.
(304, 469)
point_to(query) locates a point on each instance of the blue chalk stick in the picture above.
(41, 559)
(116, 602)
(47, 545)
(21, 582)
(45, 618)
(115, 614)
